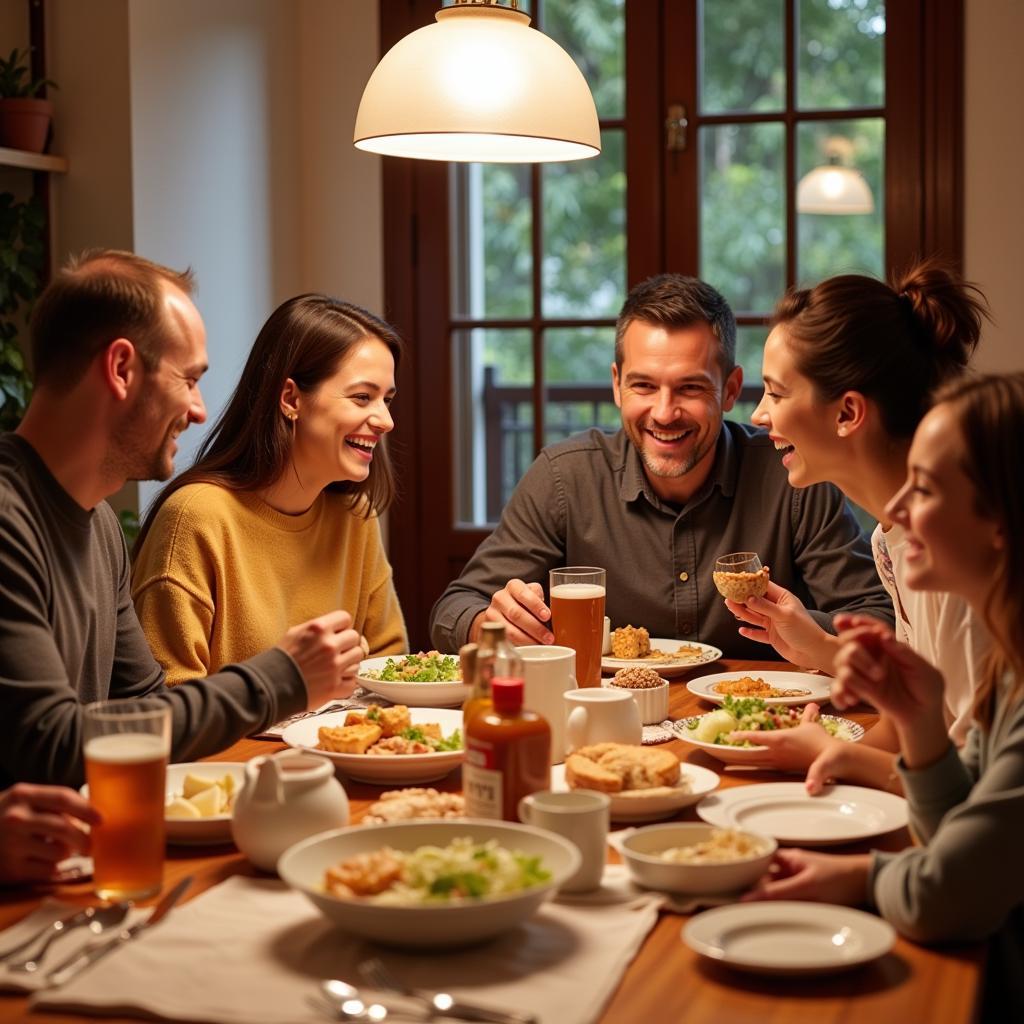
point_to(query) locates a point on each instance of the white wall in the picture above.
(993, 162)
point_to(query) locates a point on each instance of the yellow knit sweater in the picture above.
(222, 576)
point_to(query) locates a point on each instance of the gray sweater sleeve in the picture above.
(965, 883)
(529, 540)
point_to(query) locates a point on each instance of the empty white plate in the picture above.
(787, 937)
(785, 811)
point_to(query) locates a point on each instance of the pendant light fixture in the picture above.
(479, 85)
(835, 187)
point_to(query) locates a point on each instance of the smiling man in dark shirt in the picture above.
(658, 501)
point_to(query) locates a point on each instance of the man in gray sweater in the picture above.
(118, 349)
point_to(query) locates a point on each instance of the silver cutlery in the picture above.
(74, 965)
(56, 927)
(97, 919)
(438, 1004)
(344, 1002)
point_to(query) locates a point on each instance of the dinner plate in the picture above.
(413, 695)
(816, 686)
(751, 755)
(785, 810)
(384, 768)
(653, 804)
(787, 937)
(669, 668)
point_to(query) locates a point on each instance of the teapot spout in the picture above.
(267, 787)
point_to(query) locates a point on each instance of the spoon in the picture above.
(97, 919)
(347, 1004)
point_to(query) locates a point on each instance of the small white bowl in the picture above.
(640, 850)
(652, 701)
(426, 927)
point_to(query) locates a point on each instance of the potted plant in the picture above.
(21, 264)
(24, 116)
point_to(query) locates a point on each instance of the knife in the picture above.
(74, 966)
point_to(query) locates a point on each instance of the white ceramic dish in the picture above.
(426, 927)
(784, 810)
(640, 851)
(748, 755)
(651, 804)
(652, 701)
(668, 669)
(817, 686)
(413, 695)
(384, 768)
(199, 831)
(786, 937)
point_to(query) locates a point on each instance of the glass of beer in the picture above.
(577, 615)
(126, 747)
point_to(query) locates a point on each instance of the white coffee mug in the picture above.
(549, 672)
(581, 816)
(600, 715)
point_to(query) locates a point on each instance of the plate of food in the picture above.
(780, 937)
(787, 812)
(785, 688)
(712, 732)
(398, 744)
(425, 680)
(643, 783)
(632, 647)
(430, 884)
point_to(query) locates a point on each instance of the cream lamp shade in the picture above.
(834, 188)
(479, 85)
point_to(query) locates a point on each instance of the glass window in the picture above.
(841, 54)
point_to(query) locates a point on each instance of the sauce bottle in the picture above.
(508, 754)
(494, 657)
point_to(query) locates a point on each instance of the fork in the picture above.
(97, 918)
(439, 1004)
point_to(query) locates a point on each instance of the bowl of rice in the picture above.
(430, 884)
(696, 858)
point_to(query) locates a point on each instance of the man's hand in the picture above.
(520, 606)
(328, 652)
(781, 620)
(39, 827)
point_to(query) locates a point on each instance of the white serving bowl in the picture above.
(426, 927)
(640, 850)
(413, 695)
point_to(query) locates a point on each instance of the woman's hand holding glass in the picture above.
(780, 619)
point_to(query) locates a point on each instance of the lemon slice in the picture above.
(210, 801)
(179, 807)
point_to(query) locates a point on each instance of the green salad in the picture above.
(751, 714)
(432, 667)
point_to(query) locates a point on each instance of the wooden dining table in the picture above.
(666, 981)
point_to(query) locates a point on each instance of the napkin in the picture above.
(253, 949)
(46, 913)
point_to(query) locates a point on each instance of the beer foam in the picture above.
(577, 591)
(125, 748)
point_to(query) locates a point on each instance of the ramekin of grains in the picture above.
(649, 691)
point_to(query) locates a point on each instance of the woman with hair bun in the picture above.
(849, 370)
(276, 521)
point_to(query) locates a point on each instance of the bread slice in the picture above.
(619, 767)
(584, 773)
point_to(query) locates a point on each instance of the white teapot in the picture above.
(286, 797)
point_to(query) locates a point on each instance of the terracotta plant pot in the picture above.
(25, 123)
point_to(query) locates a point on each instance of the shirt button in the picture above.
(684, 576)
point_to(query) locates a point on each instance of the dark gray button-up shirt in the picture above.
(587, 501)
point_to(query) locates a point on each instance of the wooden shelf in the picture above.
(33, 161)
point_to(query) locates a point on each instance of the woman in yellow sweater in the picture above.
(276, 521)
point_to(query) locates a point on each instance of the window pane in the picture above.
(750, 350)
(593, 33)
(840, 54)
(830, 244)
(743, 213)
(577, 377)
(584, 268)
(491, 254)
(493, 419)
(742, 58)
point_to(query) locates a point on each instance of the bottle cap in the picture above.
(507, 694)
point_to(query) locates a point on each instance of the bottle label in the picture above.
(482, 783)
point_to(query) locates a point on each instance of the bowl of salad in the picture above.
(713, 732)
(428, 679)
(430, 884)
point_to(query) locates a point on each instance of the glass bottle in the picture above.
(508, 754)
(494, 657)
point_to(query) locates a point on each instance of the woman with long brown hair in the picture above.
(962, 509)
(276, 521)
(849, 370)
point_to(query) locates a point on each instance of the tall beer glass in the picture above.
(577, 614)
(127, 743)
